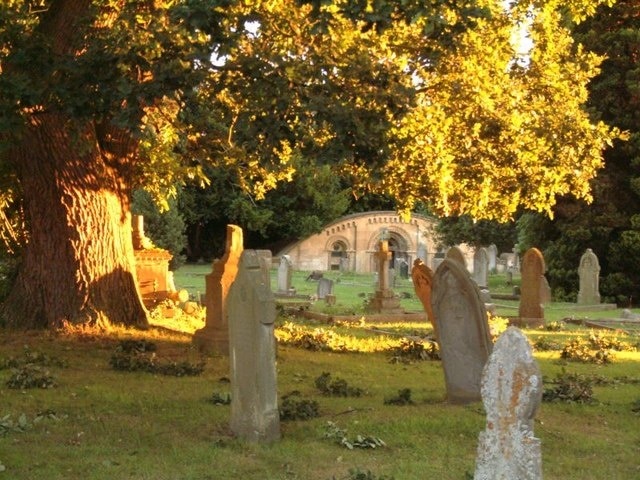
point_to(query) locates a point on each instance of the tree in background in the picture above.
(610, 225)
(100, 97)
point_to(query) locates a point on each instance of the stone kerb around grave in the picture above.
(511, 394)
(463, 331)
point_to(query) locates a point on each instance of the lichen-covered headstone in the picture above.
(252, 312)
(422, 277)
(214, 336)
(531, 310)
(463, 331)
(589, 273)
(511, 393)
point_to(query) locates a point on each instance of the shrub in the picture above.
(403, 398)
(139, 355)
(581, 350)
(335, 433)
(570, 387)
(336, 388)
(297, 409)
(415, 350)
(543, 344)
(30, 376)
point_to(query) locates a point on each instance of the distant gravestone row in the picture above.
(504, 377)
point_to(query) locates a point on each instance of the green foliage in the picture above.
(336, 388)
(339, 436)
(30, 376)
(220, 398)
(411, 350)
(403, 398)
(463, 229)
(293, 408)
(544, 344)
(357, 474)
(7, 425)
(318, 339)
(139, 355)
(32, 357)
(569, 387)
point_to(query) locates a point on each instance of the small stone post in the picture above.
(511, 393)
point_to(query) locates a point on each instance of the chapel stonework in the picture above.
(350, 243)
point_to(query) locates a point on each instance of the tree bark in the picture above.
(78, 265)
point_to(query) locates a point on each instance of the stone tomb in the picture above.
(589, 273)
(252, 344)
(511, 393)
(214, 336)
(463, 331)
(155, 281)
(531, 310)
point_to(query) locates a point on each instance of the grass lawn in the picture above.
(99, 423)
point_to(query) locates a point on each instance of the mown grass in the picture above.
(98, 423)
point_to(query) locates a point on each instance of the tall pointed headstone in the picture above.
(214, 336)
(531, 310)
(463, 331)
(252, 312)
(511, 393)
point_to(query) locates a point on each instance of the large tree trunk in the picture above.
(78, 265)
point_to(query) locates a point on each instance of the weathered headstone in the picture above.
(463, 331)
(284, 275)
(214, 336)
(589, 273)
(454, 253)
(481, 267)
(252, 312)
(422, 277)
(492, 251)
(384, 300)
(531, 310)
(511, 393)
(325, 287)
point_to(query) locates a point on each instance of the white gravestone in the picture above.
(252, 351)
(481, 267)
(511, 393)
(589, 273)
(284, 274)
